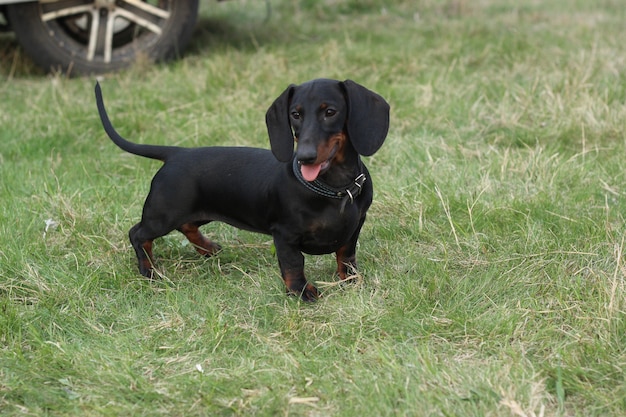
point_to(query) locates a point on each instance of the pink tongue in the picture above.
(310, 172)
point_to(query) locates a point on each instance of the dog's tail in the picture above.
(149, 151)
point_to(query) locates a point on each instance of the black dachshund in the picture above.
(313, 200)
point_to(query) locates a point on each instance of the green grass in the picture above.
(492, 259)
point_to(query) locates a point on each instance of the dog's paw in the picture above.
(145, 268)
(308, 294)
(213, 249)
(347, 271)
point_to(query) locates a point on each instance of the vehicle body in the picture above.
(96, 36)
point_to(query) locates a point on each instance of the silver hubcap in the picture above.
(102, 19)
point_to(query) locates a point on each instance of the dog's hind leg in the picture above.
(143, 249)
(204, 246)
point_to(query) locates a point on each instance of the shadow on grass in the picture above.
(13, 61)
(212, 33)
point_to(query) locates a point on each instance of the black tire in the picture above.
(74, 37)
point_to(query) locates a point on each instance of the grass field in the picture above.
(492, 261)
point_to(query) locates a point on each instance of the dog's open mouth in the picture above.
(310, 172)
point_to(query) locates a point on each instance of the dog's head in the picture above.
(321, 116)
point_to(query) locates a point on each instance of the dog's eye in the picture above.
(330, 112)
(295, 115)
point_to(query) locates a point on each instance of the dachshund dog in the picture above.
(312, 200)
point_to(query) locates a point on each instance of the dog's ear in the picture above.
(278, 126)
(368, 118)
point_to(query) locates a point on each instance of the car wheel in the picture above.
(96, 36)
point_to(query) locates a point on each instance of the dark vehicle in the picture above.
(96, 36)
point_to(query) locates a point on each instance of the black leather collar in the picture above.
(348, 193)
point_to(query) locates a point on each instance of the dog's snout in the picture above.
(306, 154)
(307, 159)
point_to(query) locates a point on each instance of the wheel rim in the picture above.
(101, 27)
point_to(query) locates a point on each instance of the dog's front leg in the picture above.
(346, 261)
(346, 255)
(291, 262)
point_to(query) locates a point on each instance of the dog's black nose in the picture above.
(306, 161)
(306, 154)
